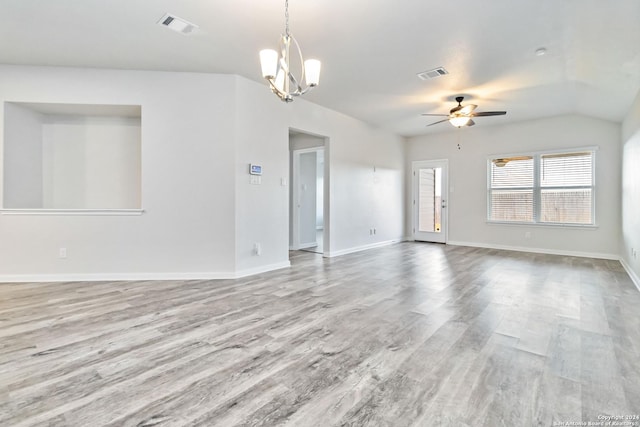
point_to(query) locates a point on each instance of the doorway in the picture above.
(430, 194)
(307, 212)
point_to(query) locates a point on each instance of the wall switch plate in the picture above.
(256, 180)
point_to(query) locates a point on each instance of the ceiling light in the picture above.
(459, 121)
(276, 66)
(177, 24)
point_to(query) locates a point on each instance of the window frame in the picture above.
(537, 189)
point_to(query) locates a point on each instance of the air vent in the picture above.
(177, 24)
(432, 74)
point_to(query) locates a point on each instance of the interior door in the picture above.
(307, 199)
(430, 191)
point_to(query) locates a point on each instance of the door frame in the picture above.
(421, 164)
(295, 188)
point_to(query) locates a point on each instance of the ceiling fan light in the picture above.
(269, 63)
(312, 71)
(459, 121)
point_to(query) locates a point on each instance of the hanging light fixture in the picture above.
(276, 66)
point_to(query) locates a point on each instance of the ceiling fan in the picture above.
(461, 115)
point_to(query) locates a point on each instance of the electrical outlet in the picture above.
(62, 253)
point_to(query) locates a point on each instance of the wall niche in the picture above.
(71, 156)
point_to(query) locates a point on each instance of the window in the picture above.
(545, 188)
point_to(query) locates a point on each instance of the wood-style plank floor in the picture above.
(406, 335)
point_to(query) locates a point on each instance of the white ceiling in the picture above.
(370, 50)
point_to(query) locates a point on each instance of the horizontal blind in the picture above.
(566, 170)
(566, 182)
(511, 190)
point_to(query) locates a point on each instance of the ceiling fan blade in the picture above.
(488, 113)
(467, 109)
(440, 121)
(441, 115)
(471, 123)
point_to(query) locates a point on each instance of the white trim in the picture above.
(537, 153)
(363, 247)
(416, 165)
(614, 257)
(72, 211)
(632, 274)
(307, 245)
(104, 277)
(294, 181)
(543, 224)
(262, 269)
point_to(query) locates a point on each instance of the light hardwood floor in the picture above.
(407, 335)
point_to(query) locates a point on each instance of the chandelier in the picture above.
(277, 66)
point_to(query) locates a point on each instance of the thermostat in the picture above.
(255, 169)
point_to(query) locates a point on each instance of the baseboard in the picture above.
(363, 248)
(614, 257)
(308, 245)
(262, 269)
(113, 277)
(632, 274)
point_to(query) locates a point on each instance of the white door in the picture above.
(304, 181)
(307, 178)
(430, 191)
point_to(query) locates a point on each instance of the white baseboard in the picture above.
(308, 245)
(112, 277)
(262, 269)
(614, 257)
(634, 277)
(363, 248)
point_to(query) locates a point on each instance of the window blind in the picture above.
(511, 196)
(544, 188)
(566, 194)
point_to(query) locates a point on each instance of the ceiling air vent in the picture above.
(432, 74)
(177, 24)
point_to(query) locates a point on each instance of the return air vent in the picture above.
(177, 24)
(432, 74)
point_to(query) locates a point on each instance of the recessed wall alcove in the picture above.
(66, 157)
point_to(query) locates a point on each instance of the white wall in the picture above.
(22, 157)
(631, 191)
(366, 177)
(91, 162)
(188, 228)
(468, 182)
(358, 198)
(202, 216)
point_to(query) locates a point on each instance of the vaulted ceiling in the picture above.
(370, 50)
